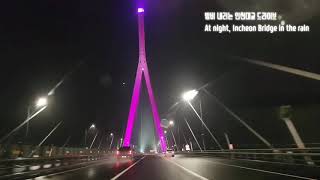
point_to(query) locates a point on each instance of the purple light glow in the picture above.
(154, 108)
(140, 10)
(143, 70)
(133, 107)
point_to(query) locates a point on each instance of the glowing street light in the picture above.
(140, 10)
(42, 101)
(112, 136)
(92, 126)
(171, 123)
(189, 95)
(86, 131)
(165, 132)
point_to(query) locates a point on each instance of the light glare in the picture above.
(171, 123)
(42, 102)
(189, 95)
(140, 10)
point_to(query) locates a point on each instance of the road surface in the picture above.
(153, 167)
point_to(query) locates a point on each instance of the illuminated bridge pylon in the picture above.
(142, 70)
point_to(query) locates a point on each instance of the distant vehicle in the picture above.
(169, 153)
(153, 151)
(187, 147)
(124, 152)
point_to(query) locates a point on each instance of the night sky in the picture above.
(41, 41)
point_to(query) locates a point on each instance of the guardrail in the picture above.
(21, 166)
(13, 151)
(308, 156)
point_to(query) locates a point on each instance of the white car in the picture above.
(169, 153)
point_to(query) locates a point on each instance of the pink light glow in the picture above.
(133, 107)
(140, 10)
(143, 70)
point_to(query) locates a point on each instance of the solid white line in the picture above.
(188, 170)
(262, 161)
(122, 172)
(264, 171)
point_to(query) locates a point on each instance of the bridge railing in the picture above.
(308, 156)
(22, 159)
(13, 151)
(18, 167)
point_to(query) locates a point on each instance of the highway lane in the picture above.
(102, 170)
(181, 167)
(224, 169)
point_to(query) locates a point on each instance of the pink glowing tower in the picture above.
(143, 70)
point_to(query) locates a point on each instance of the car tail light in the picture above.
(118, 152)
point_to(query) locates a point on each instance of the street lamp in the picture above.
(189, 95)
(112, 136)
(140, 10)
(92, 126)
(42, 101)
(171, 123)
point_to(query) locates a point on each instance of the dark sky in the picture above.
(43, 40)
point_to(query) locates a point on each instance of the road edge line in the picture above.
(264, 171)
(187, 170)
(122, 172)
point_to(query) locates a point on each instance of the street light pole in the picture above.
(20, 125)
(92, 126)
(85, 137)
(188, 96)
(266, 142)
(213, 137)
(174, 139)
(202, 133)
(100, 142)
(112, 136)
(27, 127)
(67, 141)
(192, 135)
(171, 124)
(165, 134)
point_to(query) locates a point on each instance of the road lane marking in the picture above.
(262, 161)
(122, 172)
(188, 170)
(264, 171)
